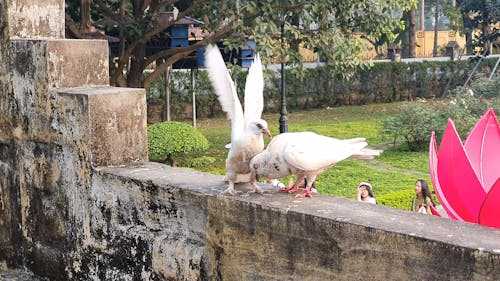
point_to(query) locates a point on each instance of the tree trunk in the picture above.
(412, 32)
(486, 32)
(85, 24)
(422, 15)
(134, 75)
(137, 60)
(468, 43)
(436, 25)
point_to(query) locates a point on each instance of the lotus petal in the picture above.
(433, 163)
(489, 215)
(482, 146)
(459, 182)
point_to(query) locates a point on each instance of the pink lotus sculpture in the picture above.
(465, 176)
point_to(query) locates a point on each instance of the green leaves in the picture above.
(321, 25)
(170, 139)
(418, 119)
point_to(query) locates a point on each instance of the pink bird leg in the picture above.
(289, 189)
(307, 193)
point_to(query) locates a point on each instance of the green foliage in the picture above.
(320, 88)
(400, 199)
(484, 87)
(464, 109)
(168, 140)
(201, 161)
(479, 16)
(317, 25)
(418, 119)
(413, 125)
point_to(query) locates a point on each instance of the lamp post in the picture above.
(283, 112)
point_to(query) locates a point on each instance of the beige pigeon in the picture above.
(246, 128)
(306, 155)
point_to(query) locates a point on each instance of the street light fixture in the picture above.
(283, 111)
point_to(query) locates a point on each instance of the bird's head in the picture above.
(259, 127)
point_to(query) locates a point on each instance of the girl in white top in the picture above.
(365, 193)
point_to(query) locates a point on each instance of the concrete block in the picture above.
(34, 19)
(59, 63)
(77, 63)
(117, 123)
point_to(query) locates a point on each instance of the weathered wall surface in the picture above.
(79, 201)
(171, 224)
(58, 117)
(35, 19)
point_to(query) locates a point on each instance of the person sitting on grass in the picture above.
(422, 202)
(365, 193)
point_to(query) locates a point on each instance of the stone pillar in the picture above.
(59, 118)
(33, 19)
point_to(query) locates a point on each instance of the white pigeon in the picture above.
(246, 129)
(306, 155)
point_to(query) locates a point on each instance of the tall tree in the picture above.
(408, 37)
(326, 27)
(412, 34)
(480, 19)
(437, 6)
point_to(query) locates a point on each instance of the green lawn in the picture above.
(393, 174)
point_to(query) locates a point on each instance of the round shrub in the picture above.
(169, 140)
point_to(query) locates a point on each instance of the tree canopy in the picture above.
(482, 16)
(330, 28)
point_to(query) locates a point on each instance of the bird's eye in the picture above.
(259, 126)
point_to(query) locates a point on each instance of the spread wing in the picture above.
(225, 89)
(309, 151)
(254, 91)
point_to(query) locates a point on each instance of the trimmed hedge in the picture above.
(167, 141)
(401, 199)
(385, 82)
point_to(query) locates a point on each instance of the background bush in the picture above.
(383, 83)
(168, 141)
(414, 124)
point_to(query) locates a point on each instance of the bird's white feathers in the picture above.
(254, 87)
(227, 95)
(289, 153)
(225, 89)
(310, 151)
(246, 128)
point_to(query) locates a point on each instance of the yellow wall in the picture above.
(425, 45)
(425, 41)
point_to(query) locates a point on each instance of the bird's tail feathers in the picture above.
(355, 140)
(366, 153)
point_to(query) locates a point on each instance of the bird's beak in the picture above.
(257, 178)
(267, 133)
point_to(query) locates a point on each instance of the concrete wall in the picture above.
(177, 226)
(79, 201)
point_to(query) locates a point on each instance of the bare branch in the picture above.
(73, 28)
(134, 44)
